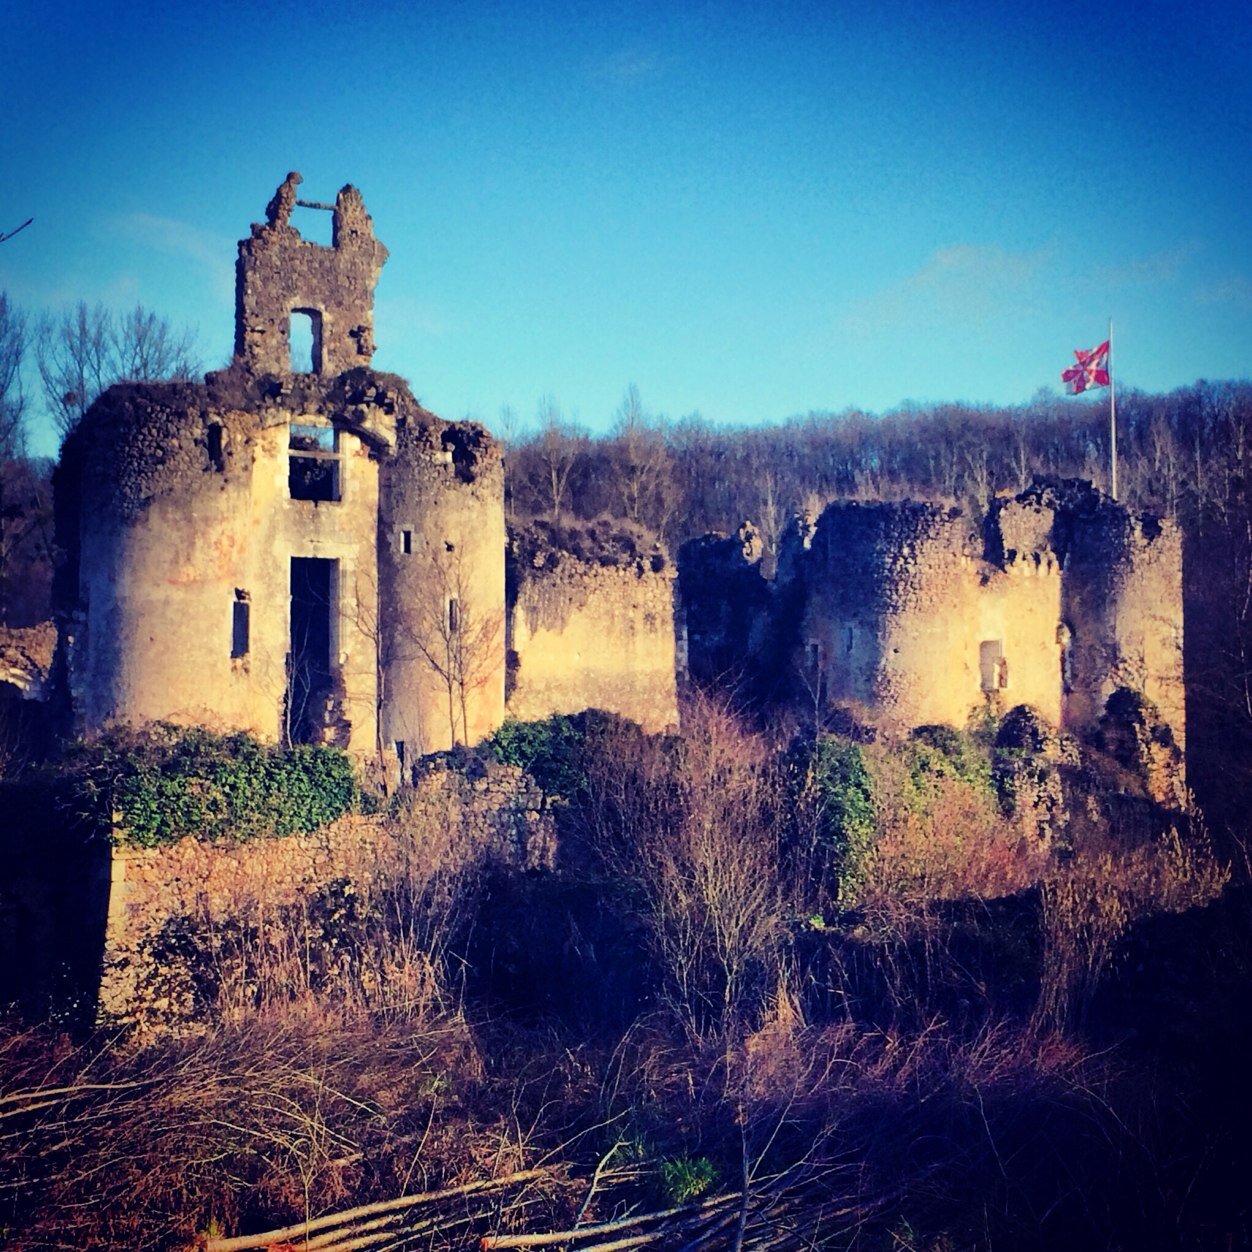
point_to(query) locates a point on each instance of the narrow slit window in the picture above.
(314, 466)
(240, 625)
(454, 616)
(216, 447)
(406, 542)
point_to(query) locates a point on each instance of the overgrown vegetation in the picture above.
(779, 994)
(161, 783)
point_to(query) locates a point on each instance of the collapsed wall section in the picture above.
(726, 608)
(591, 626)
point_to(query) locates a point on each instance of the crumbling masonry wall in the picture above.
(171, 911)
(900, 603)
(186, 512)
(591, 633)
(907, 613)
(442, 549)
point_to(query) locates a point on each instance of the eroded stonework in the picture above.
(300, 550)
(906, 614)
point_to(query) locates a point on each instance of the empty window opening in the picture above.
(993, 668)
(313, 465)
(454, 616)
(240, 624)
(216, 447)
(314, 600)
(849, 640)
(400, 756)
(1065, 637)
(305, 340)
(406, 542)
(315, 225)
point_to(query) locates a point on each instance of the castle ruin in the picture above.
(908, 614)
(298, 549)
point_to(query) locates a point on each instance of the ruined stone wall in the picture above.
(1123, 605)
(586, 634)
(441, 549)
(167, 907)
(900, 603)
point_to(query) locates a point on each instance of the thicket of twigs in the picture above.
(683, 1038)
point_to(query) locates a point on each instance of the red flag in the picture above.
(1092, 369)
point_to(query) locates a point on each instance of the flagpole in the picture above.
(1112, 413)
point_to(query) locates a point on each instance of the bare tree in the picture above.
(645, 472)
(559, 447)
(85, 350)
(459, 642)
(147, 347)
(13, 344)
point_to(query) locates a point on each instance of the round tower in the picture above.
(441, 568)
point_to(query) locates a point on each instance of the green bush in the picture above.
(551, 751)
(163, 782)
(687, 1177)
(936, 752)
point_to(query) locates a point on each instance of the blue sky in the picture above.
(747, 210)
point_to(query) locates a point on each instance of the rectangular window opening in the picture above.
(240, 625)
(216, 447)
(454, 616)
(304, 339)
(992, 667)
(406, 542)
(313, 470)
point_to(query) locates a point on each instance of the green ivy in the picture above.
(834, 774)
(551, 751)
(935, 752)
(161, 783)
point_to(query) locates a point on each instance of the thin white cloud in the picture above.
(962, 282)
(628, 65)
(1235, 289)
(1159, 267)
(213, 253)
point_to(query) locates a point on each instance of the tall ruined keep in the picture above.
(293, 548)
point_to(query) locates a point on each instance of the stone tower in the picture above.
(279, 275)
(302, 553)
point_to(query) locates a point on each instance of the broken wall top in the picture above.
(279, 273)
